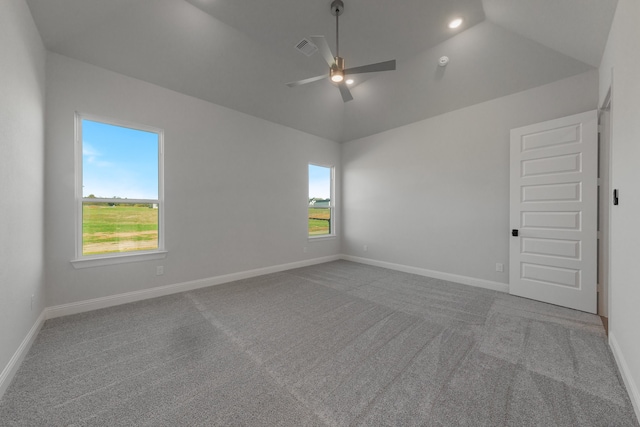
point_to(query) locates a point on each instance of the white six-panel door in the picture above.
(553, 249)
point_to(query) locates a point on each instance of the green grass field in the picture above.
(122, 228)
(319, 221)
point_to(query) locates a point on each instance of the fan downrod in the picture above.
(337, 7)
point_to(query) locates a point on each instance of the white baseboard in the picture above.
(10, 370)
(632, 387)
(113, 300)
(465, 280)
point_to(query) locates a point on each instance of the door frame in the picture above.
(604, 205)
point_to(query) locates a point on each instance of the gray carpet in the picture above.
(336, 344)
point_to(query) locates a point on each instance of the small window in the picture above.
(321, 205)
(120, 203)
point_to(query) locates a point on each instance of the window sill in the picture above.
(88, 262)
(322, 237)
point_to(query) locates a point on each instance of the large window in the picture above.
(120, 203)
(321, 204)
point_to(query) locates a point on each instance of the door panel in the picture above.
(551, 137)
(569, 192)
(554, 209)
(554, 165)
(549, 275)
(550, 247)
(551, 221)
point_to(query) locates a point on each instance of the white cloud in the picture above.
(88, 150)
(90, 155)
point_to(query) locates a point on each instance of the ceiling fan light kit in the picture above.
(336, 75)
(337, 71)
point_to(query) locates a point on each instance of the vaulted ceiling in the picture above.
(240, 54)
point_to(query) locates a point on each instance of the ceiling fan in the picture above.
(337, 72)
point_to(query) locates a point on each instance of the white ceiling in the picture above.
(577, 28)
(240, 54)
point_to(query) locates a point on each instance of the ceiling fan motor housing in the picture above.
(337, 7)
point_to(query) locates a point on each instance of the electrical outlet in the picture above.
(499, 267)
(159, 270)
(365, 248)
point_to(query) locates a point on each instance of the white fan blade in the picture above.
(309, 80)
(345, 92)
(324, 49)
(372, 68)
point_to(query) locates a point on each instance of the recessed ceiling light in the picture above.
(455, 23)
(349, 81)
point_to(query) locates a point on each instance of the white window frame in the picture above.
(332, 204)
(84, 261)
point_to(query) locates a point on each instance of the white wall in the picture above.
(435, 194)
(235, 186)
(22, 67)
(621, 63)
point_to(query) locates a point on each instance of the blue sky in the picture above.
(319, 182)
(119, 162)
